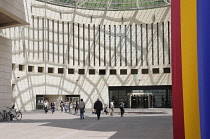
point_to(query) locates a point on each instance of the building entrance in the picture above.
(141, 96)
(39, 102)
(73, 98)
(141, 100)
(57, 98)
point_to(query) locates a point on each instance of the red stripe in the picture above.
(177, 91)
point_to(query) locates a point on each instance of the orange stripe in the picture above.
(189, 69)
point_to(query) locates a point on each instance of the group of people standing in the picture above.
(98, 107)
(122, 111)
(52, 106)
(67, 106)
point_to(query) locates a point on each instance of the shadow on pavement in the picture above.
(151, 127)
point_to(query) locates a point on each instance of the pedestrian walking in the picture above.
(82, 109)
(105, 110)
(66, 107)
(112, 108)
(122, 111)
(61, 106)
(70, 106)
(46, 106)
(98, 106)
(76, 108)
(52, 106)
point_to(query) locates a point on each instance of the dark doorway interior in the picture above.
(141, 96)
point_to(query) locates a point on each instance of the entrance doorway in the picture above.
(57, 98)
(39, 102)
(141, 96)
(141, 100)
(73, 98)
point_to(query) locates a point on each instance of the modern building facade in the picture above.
(112, 50)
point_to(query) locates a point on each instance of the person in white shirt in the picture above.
(46, 106)
(112, 107)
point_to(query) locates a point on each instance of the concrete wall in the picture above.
(32, 50)
(5, 72)
(17, 10)
(12, 13)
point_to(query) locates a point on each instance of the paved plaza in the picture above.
(136, 124)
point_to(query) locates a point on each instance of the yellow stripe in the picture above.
(190, 69)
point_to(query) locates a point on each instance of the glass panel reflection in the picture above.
(147, 98)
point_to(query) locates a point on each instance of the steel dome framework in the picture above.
(110, 4)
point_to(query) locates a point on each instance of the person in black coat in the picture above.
(98, 106)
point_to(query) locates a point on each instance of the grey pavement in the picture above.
(136, 124)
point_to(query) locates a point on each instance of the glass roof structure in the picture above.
(110, 4)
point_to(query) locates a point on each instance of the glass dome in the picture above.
(110, 4)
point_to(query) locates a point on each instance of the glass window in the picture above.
(78, 44)
(147, 47)
(84, 44)
(158, 61)
(89, 44)
(70, 71)
(58, 32)
(91, 71)
(136, 40)
(141, 45)
(104, 45)
(110, 62)
(169, 49)
(60, 70)
(123, 71)
(13, 66)
(163, 40)
(113, 72)
(152, 44)
(50, 70)
(99, 45)
(120, 46)
(125, 46)
(131, 45)
(115, 47)
(21, 67)
(134, 71)
(81, 71)
(41, 69)
(144, 71)
(155, 70)
(33, 36)
(53, 23)
(94, 45)
(63, 26)
(48, 38)
(68, 42)
(102, 71)
(73, 41)
(166, 70)
(30, 68)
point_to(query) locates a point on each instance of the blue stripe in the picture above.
(203, 30)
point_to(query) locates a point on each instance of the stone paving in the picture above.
(136, 124)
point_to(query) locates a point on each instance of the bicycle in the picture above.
(5, 116)
(15, 114)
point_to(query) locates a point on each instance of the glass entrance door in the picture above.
(141, 101)
(39, 102)
(73, 99)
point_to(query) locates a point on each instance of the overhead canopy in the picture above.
(111, 4)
